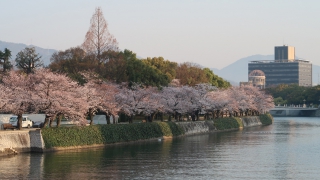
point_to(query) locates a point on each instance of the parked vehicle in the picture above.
(6, 126)
(37, 124)
(26, 122)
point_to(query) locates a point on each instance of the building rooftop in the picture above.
(281, 61)
(256, 73)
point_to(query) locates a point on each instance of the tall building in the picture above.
(284, 53)
(284, 69)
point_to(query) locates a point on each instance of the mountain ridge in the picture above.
(15, 48)
(235, 72)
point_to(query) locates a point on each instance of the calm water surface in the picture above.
(288, 149)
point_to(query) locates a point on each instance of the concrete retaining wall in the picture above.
(197, 127)
(251, 121)
(12, 142)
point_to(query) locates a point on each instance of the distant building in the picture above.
(284, 53)
(246, 83)
(256, 78)
(284, 69)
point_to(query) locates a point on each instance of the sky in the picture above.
(212, 33)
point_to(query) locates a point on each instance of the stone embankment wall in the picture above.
(198, 127)
(251, 121)
(12, 142)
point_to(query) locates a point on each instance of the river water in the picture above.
(288, 149)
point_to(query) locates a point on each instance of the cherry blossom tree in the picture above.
(107, 103)
(240, 97)
(138, 100)
(220, 100)
(57, 95)
(152, 104)
(176, 101)
(203, 102)
(16, 95)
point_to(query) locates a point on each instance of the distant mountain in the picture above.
(238, 71)
(15, 48)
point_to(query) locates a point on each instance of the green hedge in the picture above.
(266, 119)
(170, 129)
(226, 123)
(105, 134)
(112, 133)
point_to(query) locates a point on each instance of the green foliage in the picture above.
(239, 121)
(266, 119)
(124, 66)
(27, 60)
(106, 134)
(72, 62)
(215, 80)
(141, 73)
(279, 101)
(164, 66)
(226, 123)
(191, 74)
(294, 94)
(5, 60)
(170, 129)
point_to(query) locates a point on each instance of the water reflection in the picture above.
(288, 149)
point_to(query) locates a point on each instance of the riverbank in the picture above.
(52, 139)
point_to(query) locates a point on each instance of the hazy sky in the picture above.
(213, 33)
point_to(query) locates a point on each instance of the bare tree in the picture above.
(98, 38)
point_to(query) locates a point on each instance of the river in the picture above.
(288, 149)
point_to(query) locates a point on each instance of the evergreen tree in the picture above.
(5, 60)
(27, 60)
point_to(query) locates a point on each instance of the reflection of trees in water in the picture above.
(15, 166)
(87, 163)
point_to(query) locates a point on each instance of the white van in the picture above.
(26, 122)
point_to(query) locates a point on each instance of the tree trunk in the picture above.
(176, 116)
(197, 115)
(50, 122)
(193, 117)
(169, 118)
(59, 119)
(91, 119)
(91, 113)
(152, 116)
(46, 121)
(161, 117)
(108, 118)
(19, 123)
(114, 118)
(131, 119)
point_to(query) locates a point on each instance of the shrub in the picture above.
(266, 119)
(99, 134)
(170, 129)
(226, 123)
(105, 134)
